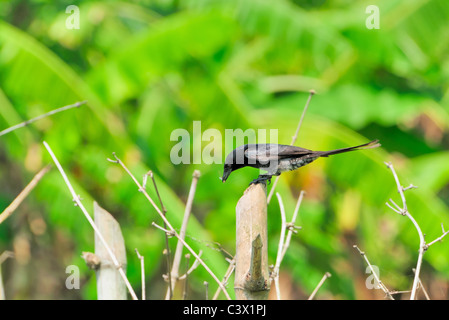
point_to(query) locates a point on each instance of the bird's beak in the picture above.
(226, 174)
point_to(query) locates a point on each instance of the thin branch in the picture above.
(27, 122)
(195, 265)
(326, 275)
(91, 221)
(167, 245)
(142, 272)
(182, 233)
(23, 194)
(5, 255)
(206, 285)
(226, 277)
(294, 138)
(280, 247)
(184, 291)
(168, 232)
(170, 227)
(381, 285)
(291, 226)
(422, 242)
(422, 287)
(437, 239)
(150, 173)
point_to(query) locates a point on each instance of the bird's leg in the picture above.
(262, 178)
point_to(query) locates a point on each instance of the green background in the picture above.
(149, 67)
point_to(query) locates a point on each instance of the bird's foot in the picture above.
(261, 179)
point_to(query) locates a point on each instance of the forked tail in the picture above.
(369, 145)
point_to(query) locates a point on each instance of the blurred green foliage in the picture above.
(148, 67)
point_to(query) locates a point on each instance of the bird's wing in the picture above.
(269, 152)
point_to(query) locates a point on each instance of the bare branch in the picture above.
(226, 277)
(206, 285)
(23, 194)
(195, 265)
(182, 233)
(5, 255)
(27, 122)
(280, 247)
(169, 233)
(422, 287)
(142, 272)
(381, 285)
(291, 226)
(184, 291)
(90, 220)
(169, 226)
(167, 245)
(440, 238)
(150, 173)
(404, 211)
(326, 275)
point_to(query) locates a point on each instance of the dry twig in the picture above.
(275, 273)
(376, 276)
(23, 194)
(76, 199)
(167, 246)
(320, 284)
(142, 272)
(169, 226)
(405, 212)
(27, 122)
(226, 277)
(182, 234)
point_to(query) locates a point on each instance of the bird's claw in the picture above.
(261, 179)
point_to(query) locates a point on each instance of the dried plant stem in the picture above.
(379, 283)
(169, 226)
(294, 138)
(226, 277)
(284, 242)
(291, 226)
(195, 265)
(280, 247)
(27, 122)
(184, 290)
(320, 284)
(439, 238)
(23, 194)
(206, 285)
(5, 255)
(167, 246)
(91, 221)
(422, 287)
(142, 272)
(405, 212)
(182, 234)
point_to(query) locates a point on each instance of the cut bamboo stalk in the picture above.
(110, 284)
(251, 268)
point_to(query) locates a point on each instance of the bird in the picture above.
(278, 158)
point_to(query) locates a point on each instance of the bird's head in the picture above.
(226, 172)
(234, 160)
